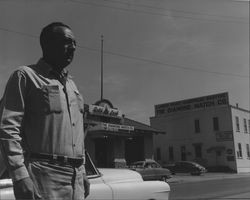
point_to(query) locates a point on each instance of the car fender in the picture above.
(99, 190)
(157, 190)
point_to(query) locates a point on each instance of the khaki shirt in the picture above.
(39, 115)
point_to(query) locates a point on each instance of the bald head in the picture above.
(58, 45)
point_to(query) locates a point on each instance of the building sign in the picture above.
(193, 104)
(224, 136)
(116, 127)
(106, 111)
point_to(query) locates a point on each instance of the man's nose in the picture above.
(72, 46)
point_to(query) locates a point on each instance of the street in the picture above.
(237, 188)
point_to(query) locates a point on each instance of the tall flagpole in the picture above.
(101, 67)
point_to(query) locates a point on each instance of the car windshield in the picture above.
(151, 165)
(137, 164)
(91, 170)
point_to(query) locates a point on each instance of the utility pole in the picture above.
(101, 67)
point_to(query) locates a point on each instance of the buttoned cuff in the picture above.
(19, 174)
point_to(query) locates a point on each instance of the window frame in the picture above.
(245, 125)
(239, 152)
(248, 151)
(198, 150)
(216, 126)
(171, 153)
(237, 123)
(158, 153)
(197, 128)
(249, 126)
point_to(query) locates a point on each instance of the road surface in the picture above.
(224, 189)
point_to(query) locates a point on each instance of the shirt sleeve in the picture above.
(11, 118)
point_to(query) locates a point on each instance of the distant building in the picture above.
(113, 140)
(206, 129)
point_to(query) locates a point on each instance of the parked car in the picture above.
(186, 167)
(107, 184)
(151, 170)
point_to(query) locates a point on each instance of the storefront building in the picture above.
(113, 140)
(206, 129)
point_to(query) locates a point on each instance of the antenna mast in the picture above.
(101, 67)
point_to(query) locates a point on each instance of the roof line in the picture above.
(138, 122)
(242, 109)
(160, 131)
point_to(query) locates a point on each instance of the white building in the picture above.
(206, 129)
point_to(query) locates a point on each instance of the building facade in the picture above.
(207, 130)
(112, 140)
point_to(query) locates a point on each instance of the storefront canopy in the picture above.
(125, 128)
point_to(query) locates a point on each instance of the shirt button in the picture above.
(74, 145)
(73, 124)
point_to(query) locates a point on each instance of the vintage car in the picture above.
(151, 170)
(186, 167)
(107, 184)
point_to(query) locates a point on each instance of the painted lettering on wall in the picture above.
(222, 136)
(191, 104)
(116, 127)
(99, 110)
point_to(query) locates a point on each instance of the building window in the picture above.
(248, 151)
(197, 126)
(218, 153)
(237, 123)
(171, 153)
(198, 150)
(249, 126)
(158, 153)
(245, 125)
(216, 123)
(239, 152)
(183, 153)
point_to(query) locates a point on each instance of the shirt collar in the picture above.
(47, 69)
(43, 67)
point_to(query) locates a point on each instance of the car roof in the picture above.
(144, 161)
(191, 162)
(137, 162)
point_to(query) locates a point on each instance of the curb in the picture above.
(205, 177)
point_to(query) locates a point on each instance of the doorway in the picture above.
(104, 152)
(134, 149)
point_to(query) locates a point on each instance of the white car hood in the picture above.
(119, 175)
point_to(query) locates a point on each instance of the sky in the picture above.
(155, 51)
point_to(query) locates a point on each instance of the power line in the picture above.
(18, 32)
(172, 10)
(138, 58)
(164, 64)
(238, 19)
(160, 14)
(156, 14)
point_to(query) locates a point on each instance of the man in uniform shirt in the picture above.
(41, 124)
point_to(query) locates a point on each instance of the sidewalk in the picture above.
(184, 178)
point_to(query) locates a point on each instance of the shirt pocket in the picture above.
(54, 99)
(45, 100)
(80, 101)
